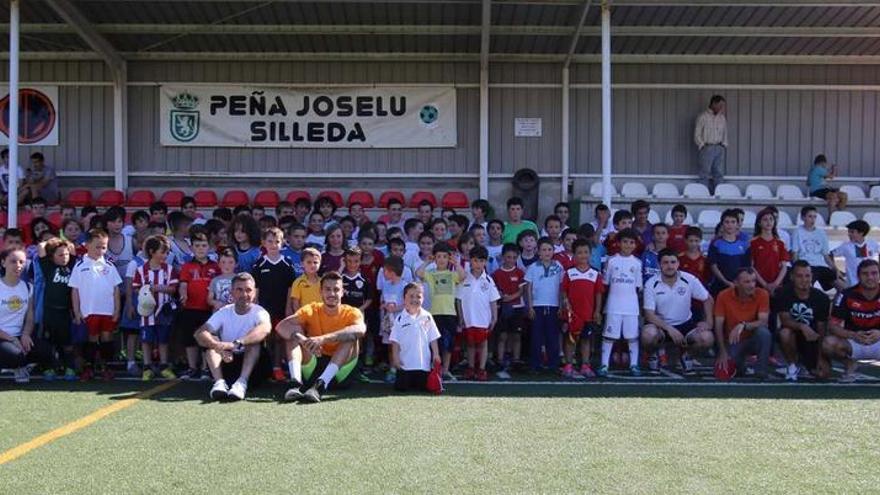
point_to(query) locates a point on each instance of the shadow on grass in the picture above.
(272, 393)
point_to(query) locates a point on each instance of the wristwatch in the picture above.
(237, 346)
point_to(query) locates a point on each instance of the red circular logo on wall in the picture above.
(36, 116)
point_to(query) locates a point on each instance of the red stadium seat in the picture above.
(267, 198)
(334, 196)
(4, 219)
(204, 199)
(292, 196)
(110, 198)
(141, 199)
(455, 200)
(172, 198)
(365, 198)
(24, 221)
(420, 196)
(79, 198)
(388, 196)
(55, 218)
(235, 197)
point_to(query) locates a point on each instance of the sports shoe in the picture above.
(237, 390)
(278, 375)
(133, 369)
(482, 376)
(664, 358)
(49, 375)
(654, 363)
(189, 374)
(775, 362)
(168, 373)
(294, 393)
(86, 374)
(687, 364)
(791, 373)
(219, 391)
(148, 374)
(469, 374)
(449, 377)
(847, 378)
(313, 394)
(568, 372)
(602, 372)
(70, 375)
(503, 374)
(22, 375)
(635, 371)
(390, 377)
(587, 371)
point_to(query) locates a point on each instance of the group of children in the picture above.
(494, 288)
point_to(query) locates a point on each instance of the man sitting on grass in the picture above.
(325, 336)
(233, 339)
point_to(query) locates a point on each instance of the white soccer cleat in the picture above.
(22, 375)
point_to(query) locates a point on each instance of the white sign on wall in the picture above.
(38, 116)
(527, 127)
(263, 117)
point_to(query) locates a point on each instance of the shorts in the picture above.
(98, 324)
(407, 380)
(476, 336)
(823, 193)
(156, 334)
(621, 326)
(448, 327)
(860, 351)
(510, 319)
(684, 328)
(809, 351)
(312, 370)
(186, 324)
(56, 327)
(232, 370)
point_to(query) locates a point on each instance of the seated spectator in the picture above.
(232, 339)
(39, 181)
(854, 329)
(858, 249)
(4, 177)
(817, 181)
(741, 314)
(803, 311)
(811, 245)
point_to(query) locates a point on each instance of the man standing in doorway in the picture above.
(710, 136)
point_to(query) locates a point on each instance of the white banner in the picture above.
(263, 117)
(38, 115)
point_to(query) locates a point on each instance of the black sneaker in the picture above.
(314, 393)
(294, 393)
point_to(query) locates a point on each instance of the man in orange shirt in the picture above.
(741, 314)
(324, 335)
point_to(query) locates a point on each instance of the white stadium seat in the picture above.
(689, 220)
(596, 190)
(758, 191)
(820, 220)
(854, 192)
(634, 190)
(665, 190)
(709, 218)
(873, 219)
(749, 220)
(875, 192)
(789, 191)
(694, 190)
(727, 191)
(784, 221)
(653, 216)
(840, 219)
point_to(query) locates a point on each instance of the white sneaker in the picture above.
(504, 375)
(220, 390)
(791, 373)
(22, 375)
(238, 390)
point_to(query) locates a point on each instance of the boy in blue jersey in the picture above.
(727, 253)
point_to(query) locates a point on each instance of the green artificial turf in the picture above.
(477, 438)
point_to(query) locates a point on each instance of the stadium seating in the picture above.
(365, 198)
(333, 196)
(709, 218)
(110, 198)
(875, 192)
(653, 216)
(727, 191)
(749, 220)
(596, 190)
(388, 196)
(694, 190)
(789, 191)
(54, 218)
(292, 196)
(665, 190)
(873, 219)
(205, 199)
(758, 191)
(855, 193)
(267, 198)
(840, 219)
(820, 220)
(235, 197)
(784, 221)
(455, 199)
(688, 219)
(79, 198)
(634, 190)
(140, 199)
(420, 196)
(173, 198)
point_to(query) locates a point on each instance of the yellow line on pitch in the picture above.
(49, 437)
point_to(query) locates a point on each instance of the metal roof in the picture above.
(539, 30)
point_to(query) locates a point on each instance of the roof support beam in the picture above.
(72, 16)
(576, 36)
